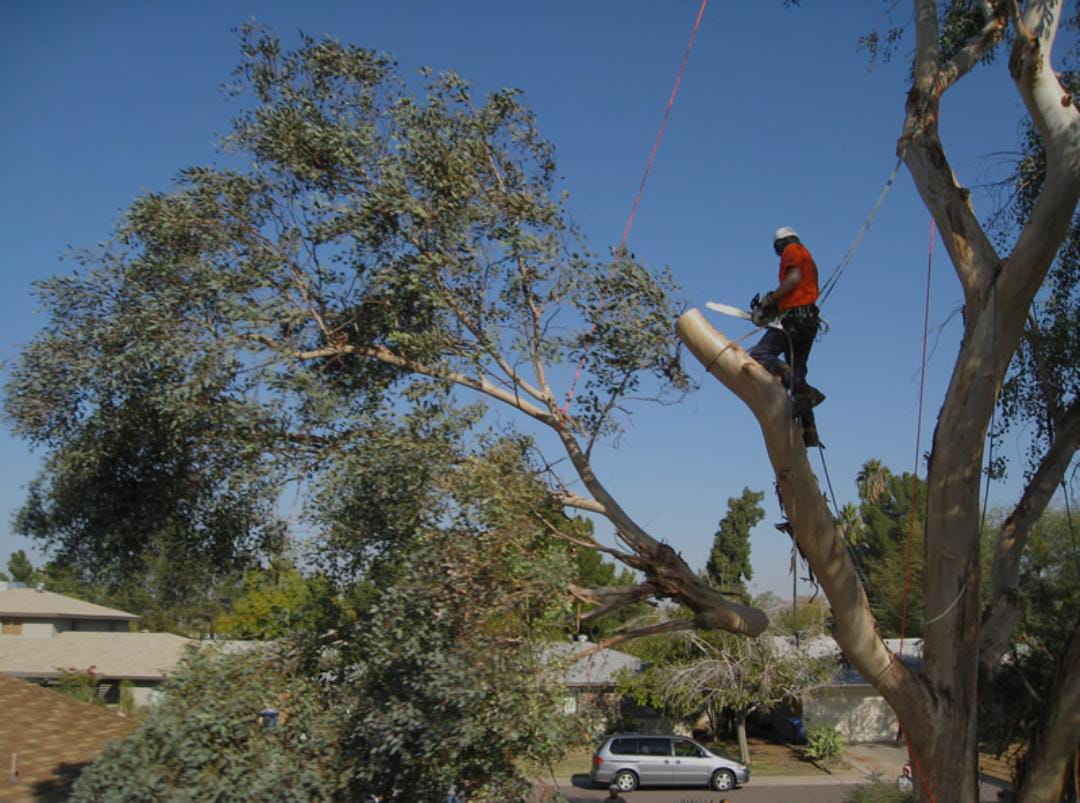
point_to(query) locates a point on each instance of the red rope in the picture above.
(914, 492)
(640, 190)
(918, 441)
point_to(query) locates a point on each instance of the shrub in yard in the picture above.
(822, 742)
(879, 792)
(128, 706)
(80, 684)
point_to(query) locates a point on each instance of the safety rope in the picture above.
(834, 277)
(828, 481)
(637, 198)
(918, 446)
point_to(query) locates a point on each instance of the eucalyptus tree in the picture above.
(381, 250)
(937, 705)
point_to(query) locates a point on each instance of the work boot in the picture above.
(810, 437)
(807, 397)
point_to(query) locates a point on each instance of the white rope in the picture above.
(952, 605)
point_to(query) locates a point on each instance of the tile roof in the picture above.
(52, 736)
(29, 603)
(132, 656)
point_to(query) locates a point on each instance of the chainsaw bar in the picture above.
(735, 312)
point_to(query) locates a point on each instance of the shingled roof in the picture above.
(49, 737)
(29, 603)
(600, 668)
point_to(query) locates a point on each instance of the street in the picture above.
(833, 793)
(579, 791)
(771, 790)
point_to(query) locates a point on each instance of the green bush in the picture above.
(879, 792)
(205, 739)
(128, 706)
(822, 742)
(79, 683)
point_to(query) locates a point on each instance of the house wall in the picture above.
(859, 713)
(32, 628)
(146, 692)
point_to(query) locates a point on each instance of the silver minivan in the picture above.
(630, 760)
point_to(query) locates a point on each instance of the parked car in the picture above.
(630, 760)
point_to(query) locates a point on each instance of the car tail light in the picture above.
(597, 761)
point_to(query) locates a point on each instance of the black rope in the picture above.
(828, 481)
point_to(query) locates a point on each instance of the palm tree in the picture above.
(850, 523)
(871, 480)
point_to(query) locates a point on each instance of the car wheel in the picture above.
(722, 781)
(625, 780)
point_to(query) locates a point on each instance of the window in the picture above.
(624, 747)
(687, 749)
(654, 747)
(11, 627)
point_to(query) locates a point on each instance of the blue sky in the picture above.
(778, 122)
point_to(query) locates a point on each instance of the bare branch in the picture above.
(610, 598)
(970, 55)
(665, 568)
(651, 630)
(384, 355)
(579, 502)
(588, 544)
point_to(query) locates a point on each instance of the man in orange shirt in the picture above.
(793, 301)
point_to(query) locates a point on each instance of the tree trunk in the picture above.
(740, 729)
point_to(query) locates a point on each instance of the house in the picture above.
(590, 681)
(141, 659)
(592, 688)
(45, 634)
(849, 702)
(46, 738)
(34, 613)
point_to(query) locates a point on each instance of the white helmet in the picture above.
(783, 232)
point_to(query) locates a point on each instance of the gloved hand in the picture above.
(760, 312)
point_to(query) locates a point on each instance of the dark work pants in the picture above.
(801, 330)
(794, 343)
